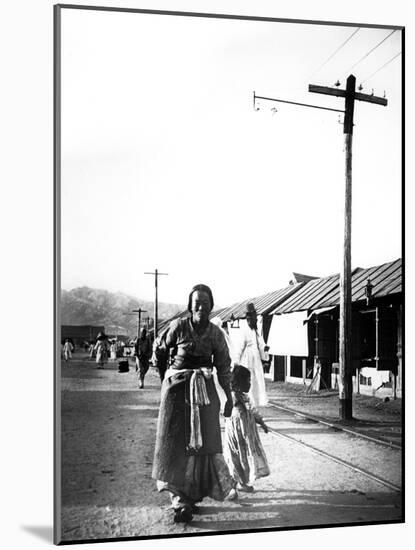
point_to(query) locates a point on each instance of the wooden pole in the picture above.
(156, 274)
(156, 304)
(345, 341)
(139, 311)
(345, 330)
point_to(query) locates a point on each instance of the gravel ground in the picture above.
(108, 433)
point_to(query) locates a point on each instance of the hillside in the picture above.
(90, 306)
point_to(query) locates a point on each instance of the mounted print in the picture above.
(229, 303)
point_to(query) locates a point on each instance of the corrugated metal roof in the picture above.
(310, 294)
(380, 277)
(317, 293)
(386, 279)
(262, 303)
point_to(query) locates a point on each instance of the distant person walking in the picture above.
(101, 350)
(113, 351)
(67, 349)
(91, 350)
(251, 353)
(243, 449)
(142, 356)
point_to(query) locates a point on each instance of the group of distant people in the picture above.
(202, 372)
(100, 350)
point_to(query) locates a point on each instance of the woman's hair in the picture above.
(239, 375)
(200, 288)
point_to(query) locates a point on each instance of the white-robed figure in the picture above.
(113, 351)
(250, 352)
(67, 349)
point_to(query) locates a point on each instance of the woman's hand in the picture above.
(228, 408)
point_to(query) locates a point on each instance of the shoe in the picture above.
(141, 384)
(233, 495)
(183, 515)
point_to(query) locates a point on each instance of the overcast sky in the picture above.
(165, 163)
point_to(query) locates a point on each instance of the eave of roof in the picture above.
(325, 292)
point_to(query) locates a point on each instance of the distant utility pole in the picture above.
(156, 274)
(345, 336)
(139, 311)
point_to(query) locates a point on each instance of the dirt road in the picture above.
(108, 433)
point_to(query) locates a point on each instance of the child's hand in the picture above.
(228, 408)
(265, 428)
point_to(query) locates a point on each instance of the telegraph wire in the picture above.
(336, 51)
(382, 67)
(370, 51)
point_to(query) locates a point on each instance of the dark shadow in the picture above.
(44, 533)
(233, 525)
(290, 419)
(313, 508)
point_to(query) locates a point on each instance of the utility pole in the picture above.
(139, 311)
(345, 336)
(156, 273)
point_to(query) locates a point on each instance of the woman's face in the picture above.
(200, 307)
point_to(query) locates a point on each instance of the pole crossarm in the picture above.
(296, 103)
(342, 93)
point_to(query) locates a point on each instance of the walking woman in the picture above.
(101, 349)
(188, 459)
(252, 354)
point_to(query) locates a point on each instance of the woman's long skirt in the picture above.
(186, 473)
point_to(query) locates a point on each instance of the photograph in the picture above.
(229, 297)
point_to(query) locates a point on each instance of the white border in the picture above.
(27, 279)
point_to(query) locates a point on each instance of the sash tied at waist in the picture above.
(198, 398)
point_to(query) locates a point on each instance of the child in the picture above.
(243, 450)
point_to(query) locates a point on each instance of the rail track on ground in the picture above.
(338, 443)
